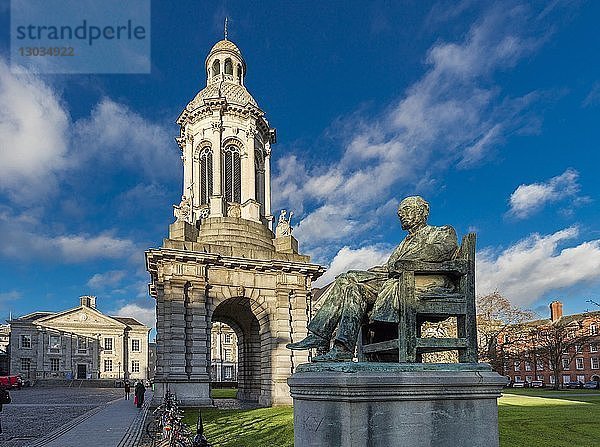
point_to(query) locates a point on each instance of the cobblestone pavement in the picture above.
(35, 412)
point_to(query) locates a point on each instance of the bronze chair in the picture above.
(415, 308)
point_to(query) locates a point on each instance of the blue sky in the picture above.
(488, 110)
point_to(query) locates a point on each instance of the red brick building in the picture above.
(528, 350)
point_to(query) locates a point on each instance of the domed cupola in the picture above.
(225, 141)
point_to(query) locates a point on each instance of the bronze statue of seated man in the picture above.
(356, 295)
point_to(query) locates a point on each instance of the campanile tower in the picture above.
(222, 261)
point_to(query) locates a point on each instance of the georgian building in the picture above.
(526, 348)
(78, 343)
(223, 367)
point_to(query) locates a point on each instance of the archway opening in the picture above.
(242, 317)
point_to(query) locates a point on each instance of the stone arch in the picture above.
(251, 324)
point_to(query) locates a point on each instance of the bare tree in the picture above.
(497, 320)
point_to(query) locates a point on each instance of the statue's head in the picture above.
(413, 212)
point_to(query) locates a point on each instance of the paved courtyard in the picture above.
(36, 413)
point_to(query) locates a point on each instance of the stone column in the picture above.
(176, 353)
(281, 365)
(216, 200)
(268, 215)
(248, 168)
(188, 172)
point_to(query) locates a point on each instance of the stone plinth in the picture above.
(395, 405)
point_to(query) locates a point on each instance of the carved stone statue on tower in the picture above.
(182, 211)
(284, 227)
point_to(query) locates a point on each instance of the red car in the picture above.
(12, 382)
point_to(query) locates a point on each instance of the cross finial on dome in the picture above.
(225, 30)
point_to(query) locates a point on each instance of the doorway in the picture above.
(81, 371)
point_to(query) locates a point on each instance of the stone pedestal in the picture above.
(395, 405)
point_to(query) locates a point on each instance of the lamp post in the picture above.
(119, 378)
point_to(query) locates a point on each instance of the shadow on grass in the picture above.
(246, 428)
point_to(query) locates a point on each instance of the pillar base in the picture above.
(189, 394)
(395, 405)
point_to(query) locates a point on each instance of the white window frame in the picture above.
(593, 329)
(227, 354)
(25, 361)
(552, 379)
(135, 366)
(517, 365)
(82, 345)
(566, 364)
(54, 344)
(527, 366)
(517, 378)
(595, 363)
(566, 379)
(227, 338)
(578, 348)
(139, 345)
(581, 378)
(55, 361)
(593, 347)
(25, 337)
(112, 345)
(108, 365)
(579, 363)
(228, 372)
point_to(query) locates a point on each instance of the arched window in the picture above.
(206, 175)
(239, 72)
(228, 67)
(233, 177)
(216, 67)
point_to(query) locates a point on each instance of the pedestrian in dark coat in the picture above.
(139, 391)
(127, 387)
(4, 399)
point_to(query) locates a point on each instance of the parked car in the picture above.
(520, 385)
(574, 385)
(591, 385)
(14, 381)
(537, 384)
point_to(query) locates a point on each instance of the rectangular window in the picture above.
(228, 372)
(593, 329)
(527, 366)
(594, 347)
(25, 341)
(227, 355)
(135, 345)
(517, 365)
(54, 343)
(552, 379)
(528, 379)
(581, 378)
(540, 378)
(578, 348)
(566, 379)
(25, 364)
(135, 366)
(227, 338)
(82, 345)
(107, 365)
(565, 363)
(108, 345)
(540, 365)
(517, 378)
(579, 363)
(54, 365)
(595, 363)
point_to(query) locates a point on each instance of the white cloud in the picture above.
(353, 259)
(146, 315)
(107, 279)
(538, 265)
(113, 132)
(452, 116)
(7, 297)
(34, 138)
(22, 240)
(528, 199)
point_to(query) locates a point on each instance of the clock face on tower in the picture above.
(83, 317)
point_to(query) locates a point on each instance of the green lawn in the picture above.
(532, 418)
(223, 393)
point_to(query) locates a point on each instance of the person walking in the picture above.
(127, 387)
(4, 399)
(139, 391)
